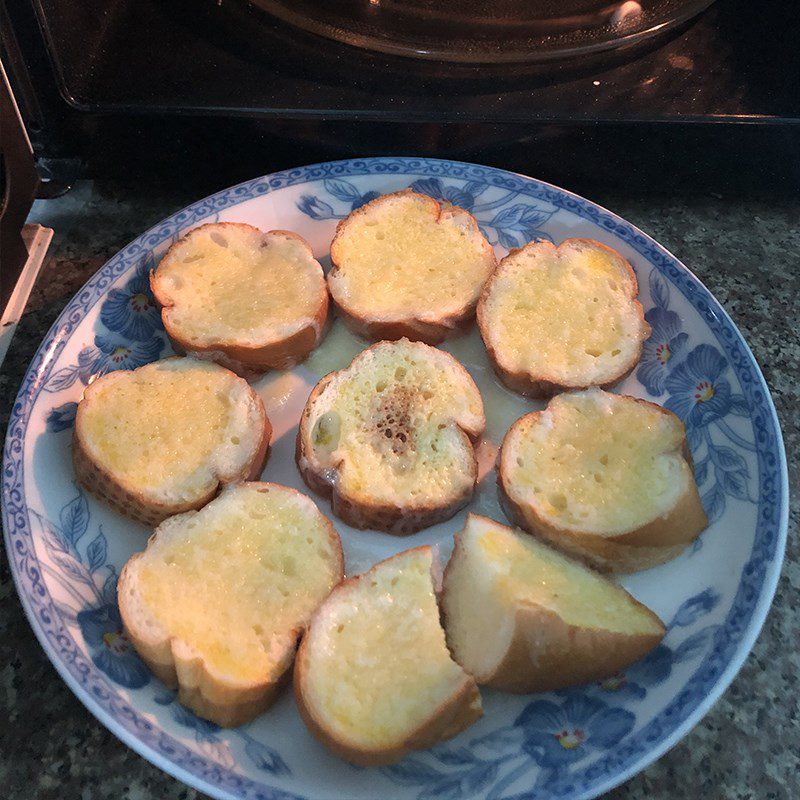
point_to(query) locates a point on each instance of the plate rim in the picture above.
(55, 339)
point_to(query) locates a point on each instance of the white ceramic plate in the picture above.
(66, 549)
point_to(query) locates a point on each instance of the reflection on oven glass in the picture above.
(470, 30)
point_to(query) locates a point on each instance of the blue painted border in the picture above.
(732, 642)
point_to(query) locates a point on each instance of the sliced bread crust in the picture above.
(647, 544)
(448, 718)
(322, 468)
(426, 319)
(152, 506)
(534, 648)
(214, 694)
(246, 349)
(552, 375)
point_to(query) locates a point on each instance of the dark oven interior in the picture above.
(108, 86)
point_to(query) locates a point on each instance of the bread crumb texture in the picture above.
(565, 314)
(233, 282)
(598, 462)
(240, 577)
(397, 257)
(378, 666)
(390, 422)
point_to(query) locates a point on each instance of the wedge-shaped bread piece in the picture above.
(389, 438)
(403, 265)
(605, 477)
(566, 317)
(373, 678)
(217, 602)
(250, 300)
(161, 439)
(522, 617)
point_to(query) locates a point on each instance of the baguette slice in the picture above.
(560, 318)
(404, 265)
(389, 438)
(373, 678)
(524, 618)
(217, 602)
(161, 439)
(604, 477)
(250, 300)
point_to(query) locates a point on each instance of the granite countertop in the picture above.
(747, 748)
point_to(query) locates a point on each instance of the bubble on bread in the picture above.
(233, 282)
(564, 314)
(377, 665)
(598, 462)
(390, 424)
(238, 579)
(170, 427)
(397, 257)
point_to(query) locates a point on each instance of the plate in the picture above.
(66, 549)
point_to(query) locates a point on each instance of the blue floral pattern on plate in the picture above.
(90, 584)
(557, 734)
(133, 336)
(572, 744)
(513, 224)
(90, 600)
(208, 736)
(699, 392)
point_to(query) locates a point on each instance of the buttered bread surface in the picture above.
(374, 678)
(523, 617)
(391, 439)
(218, 600)
(241, 296)
(563, 317)
(195, 415)
(228, 280)
(603, 476)
(159, 439)
(391, 435)
(595, 462)
(264, 559)
(405, 264)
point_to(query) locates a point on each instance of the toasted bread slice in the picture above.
(523, 618)
(250, 300)
(217, 602)
(389, 438)
(560, 318)
(403, 265)
(604, 477)
(373, 678)
(161, 439)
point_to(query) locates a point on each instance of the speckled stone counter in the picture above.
(747, 748)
